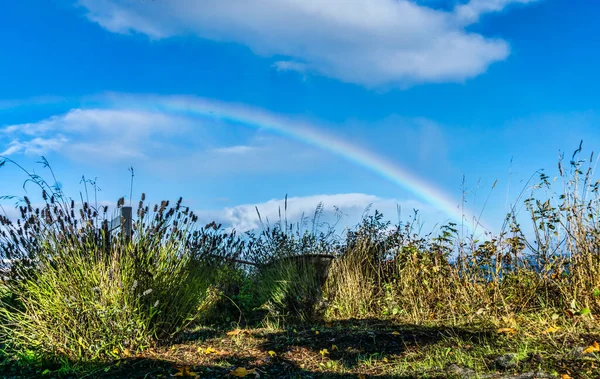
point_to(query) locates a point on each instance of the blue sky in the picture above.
(437, 89)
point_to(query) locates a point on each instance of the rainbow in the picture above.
(307, 134)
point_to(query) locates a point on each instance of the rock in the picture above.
(460, 372)
(576, 352)
(506, 362)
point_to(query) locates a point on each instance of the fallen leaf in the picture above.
(324, 352)
(185, 372)
(272, 353)
(334, 347)
(208, 350)
(236, 332)
(241, 372)
(565, 376)
(569, 314)
(506, 331)
(395, 333)
(595, 347)
(316, 332)
(552, 329)
(585, 311)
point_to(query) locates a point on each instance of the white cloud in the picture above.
(471, 11)
(290, 66)
(351, 205)
(368, 42)
(86, 134)
(35, 146)
(162, 140)
(169, 145)
(236, 150)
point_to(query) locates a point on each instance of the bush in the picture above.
(291, 266)
(77, 293)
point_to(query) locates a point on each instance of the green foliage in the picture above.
(292, 287)
(75, 293)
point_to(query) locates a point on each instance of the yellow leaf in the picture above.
(565, 376)
(385, 360)
(272, 353)
(506, 331)
(241, 372)
(324, 352)
(552, 329)
(595, 347)
(236, 332)
(185, 372)
(209, 350)
(395, 333)
(334, 347)
(316, 332)
(126, 353)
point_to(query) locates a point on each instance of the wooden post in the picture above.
(124, 221)
(127, 222)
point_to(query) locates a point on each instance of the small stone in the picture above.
(506, 362)
(576, 352)
(461, 372)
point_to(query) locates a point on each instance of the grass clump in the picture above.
(291, 263)
(75, 293)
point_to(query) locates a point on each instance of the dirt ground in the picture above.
(348, 349)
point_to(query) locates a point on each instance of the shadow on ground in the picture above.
(336, 350)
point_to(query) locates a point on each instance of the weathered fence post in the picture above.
(127, 222)
(123, 221)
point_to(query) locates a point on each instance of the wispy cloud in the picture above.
(470, 12)
(290, 66)
(350, 206)
(236, 150)
(35, 146)
(159, 139)
(368, 42)
(342, 211)
(106, 134)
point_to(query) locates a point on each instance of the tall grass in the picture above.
(292, 261)
(391, 271)
(74, 292)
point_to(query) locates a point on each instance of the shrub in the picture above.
(291, 266)
(78, 294)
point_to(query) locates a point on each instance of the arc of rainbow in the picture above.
(328, 142)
